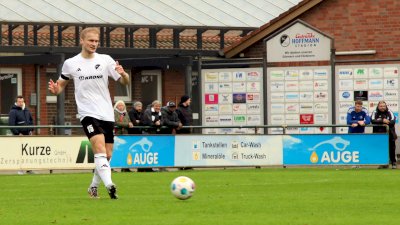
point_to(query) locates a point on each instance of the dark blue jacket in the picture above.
(20, 117)
(354, 117)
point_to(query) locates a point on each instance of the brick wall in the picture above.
(173, 85)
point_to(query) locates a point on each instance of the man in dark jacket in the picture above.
(136, 118)
(383, 116)
(170, 119)
(152, 117)
(20, 116)
(185, 114)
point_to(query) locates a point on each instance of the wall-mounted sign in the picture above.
(298, 42)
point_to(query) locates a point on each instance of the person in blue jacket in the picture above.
(357, 118)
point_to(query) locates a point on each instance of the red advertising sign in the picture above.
(211, 99)
(306, 118)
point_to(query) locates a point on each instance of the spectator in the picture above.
(170, 119)
(135, 116)
(20, 116)
(357, 118)
(122, 121)
(185, 114)
(152, 117)
(384, 116)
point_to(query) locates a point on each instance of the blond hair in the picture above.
(155, 102)
(120, 102)
(89, 30)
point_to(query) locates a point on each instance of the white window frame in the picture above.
(51, 98)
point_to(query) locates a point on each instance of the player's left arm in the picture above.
(124, 75)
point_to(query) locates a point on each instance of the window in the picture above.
(10, 87)
(150, 82)
(122, 92)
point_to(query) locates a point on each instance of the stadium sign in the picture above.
(298, 42)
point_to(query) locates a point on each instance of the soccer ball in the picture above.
(182, 187)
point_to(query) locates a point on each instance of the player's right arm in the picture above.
(58, 86)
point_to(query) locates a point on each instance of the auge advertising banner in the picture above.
(344, 149)
(143, 151)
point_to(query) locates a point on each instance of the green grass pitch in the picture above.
(292, 196)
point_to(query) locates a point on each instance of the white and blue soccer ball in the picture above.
(182, 187)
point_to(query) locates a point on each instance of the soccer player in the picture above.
(90, 72)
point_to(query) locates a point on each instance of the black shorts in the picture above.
(93, 126)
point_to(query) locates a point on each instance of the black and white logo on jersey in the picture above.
(79, 69)
(98, 67)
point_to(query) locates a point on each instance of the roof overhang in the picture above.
(269, 28)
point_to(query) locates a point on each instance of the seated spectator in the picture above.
(152, 117)
(170, 119)
(135, 116)
(122, 121)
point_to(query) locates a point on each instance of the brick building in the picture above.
(366, 49)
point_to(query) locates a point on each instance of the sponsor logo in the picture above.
(142, 154)
(345, 72)
(277, 75)
(321, 107)
(346, 94)
(239, 119)
(211, 119)
(253, 119)
(393, 94)
(253, 97)
(292, 107)
(305, 40)
(333, 151)
(319, 74)
(239, 75)
(225, 76)
(285, 40)
(375, 72)
(85, 149)
(375, 95)
(211, 76)
(91, 77)
(306, 118)
(292, 96)
(253, 75)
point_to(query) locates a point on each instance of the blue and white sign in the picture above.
(344, 149)
(143, 151)
(224, 150)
